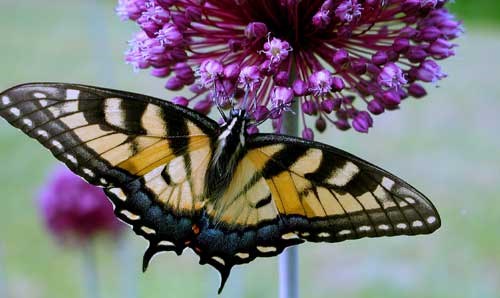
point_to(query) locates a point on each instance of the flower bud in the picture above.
(379, 58)
(308, 134)
(362, 122)
(375, 107)
(391, 99)
(340, 57)
(309, 107)
(232, 71)
(320, 124)
(174, 84)
(255, 30)
(401, 45)
(160, 72)
(203, 106)
(416, 90)
(181, 101)
(299, 87)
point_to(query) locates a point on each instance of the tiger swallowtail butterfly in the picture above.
(182, 180)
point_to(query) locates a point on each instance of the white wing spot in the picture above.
(43, 103)
(288, 236)
(5, 100)
(383, 227)
(324, 235)
(365, 228)
(242, 255)
(15, 111)
(387, 183)
(265, 249)
(55, 111)
(72, 94)
(147, 230)
(165, 243)
(305, 234)
(72, 159)
(388, 204)
(177, 170)
(42, 133)
(401, 226)
(403, 204)
(219, 260)
(28, 122)
(417, 223)
(39, 95)
(341, 177)
(130, 215)
(88, 172)
(411, 200)
(103, 181)
(118, 192)
(57, 144)
(113, 113)
(344, 232)
(431, 219)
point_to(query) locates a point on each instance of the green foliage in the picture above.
(477, 11)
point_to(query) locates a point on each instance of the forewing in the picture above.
(106, 136)
(149, 155)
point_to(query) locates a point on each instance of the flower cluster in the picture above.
(342, 60)
(74, 210)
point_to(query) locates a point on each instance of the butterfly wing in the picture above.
(341, 196)
(287, 190)
(150, 156)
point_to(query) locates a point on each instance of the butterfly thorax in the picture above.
(228, 150)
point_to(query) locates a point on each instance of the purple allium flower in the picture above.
(75, 211)
(342, 59)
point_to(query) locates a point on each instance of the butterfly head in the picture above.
(237, 113)
(236, 123)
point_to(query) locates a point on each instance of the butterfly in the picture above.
(182, 180)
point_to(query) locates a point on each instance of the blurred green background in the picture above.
(447, 145)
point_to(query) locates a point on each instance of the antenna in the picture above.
(216, 101)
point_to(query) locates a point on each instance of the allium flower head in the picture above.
(342, 60)
(73, 210)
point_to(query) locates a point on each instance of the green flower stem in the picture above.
(128, 277)
(90, 278)
(289, 259)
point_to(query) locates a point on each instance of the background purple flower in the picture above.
(366, 56)
(74, 210)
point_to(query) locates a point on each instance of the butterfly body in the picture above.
(182, 180)
(228, 150)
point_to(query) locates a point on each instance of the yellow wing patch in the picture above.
(245, 207)
(178, 184)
